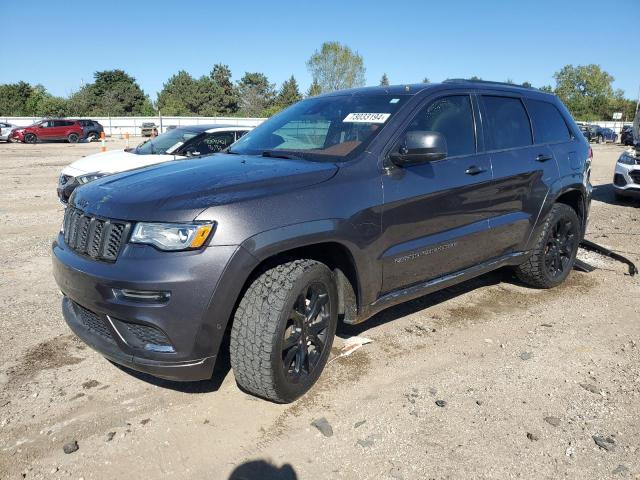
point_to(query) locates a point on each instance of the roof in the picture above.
(415, 88)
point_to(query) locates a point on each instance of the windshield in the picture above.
(323, 128)
(167, 142)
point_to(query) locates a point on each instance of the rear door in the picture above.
(522, 170)
(435, 215)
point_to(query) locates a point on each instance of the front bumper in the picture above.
(626, 180)
(16, 136)
(203, 287)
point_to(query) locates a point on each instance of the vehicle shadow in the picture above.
(220, 371)
(496, 277)
(606, 194)
(261, 470)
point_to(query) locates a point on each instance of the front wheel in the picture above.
(30, 138)
(599, 139)
(283, 330)
(555, 251)
(73, 138)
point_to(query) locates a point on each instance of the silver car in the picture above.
(5, 130)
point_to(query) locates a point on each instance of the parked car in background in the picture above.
(606, 135)
(338, 207)
(589, 131)
(626, 177)
(50, 129)
(92, 129)
(179, 143)
(626, 135)
(148, 128)
(5, 130)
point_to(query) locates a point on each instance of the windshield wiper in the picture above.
(278, 154)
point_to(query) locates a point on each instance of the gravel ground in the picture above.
(489, 379)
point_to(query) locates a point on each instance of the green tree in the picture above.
(586, 90)
(114, 92)
(177, 96)
(546, 88)
(526, 84)
(225, 95)
(256, 94)
(289, 93)
(426, 80)
(50, 106)
(336, 66)
(14, 98)
(384, 81)
(314, 89)
(475, 77)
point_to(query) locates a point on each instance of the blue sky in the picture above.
(61, 44)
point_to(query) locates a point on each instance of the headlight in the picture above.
(627, 159)
(90, 177)
(172, 236)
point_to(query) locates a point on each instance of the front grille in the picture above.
(95, 237)
(635, 176)
(94, 323)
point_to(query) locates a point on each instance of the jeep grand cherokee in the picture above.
(338, 207)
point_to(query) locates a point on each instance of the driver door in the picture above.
(435, 215)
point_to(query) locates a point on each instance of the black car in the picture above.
(92, 129)
(626, 135)
(338, 207)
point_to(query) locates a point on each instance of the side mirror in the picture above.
(420, 147)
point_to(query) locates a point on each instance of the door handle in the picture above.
(543, 158)
(474, 170)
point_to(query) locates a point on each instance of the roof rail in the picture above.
(488, 82)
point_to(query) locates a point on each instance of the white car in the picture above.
(626, 178)
(5, 130)
(176, 144)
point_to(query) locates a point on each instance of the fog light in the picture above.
(143, 296)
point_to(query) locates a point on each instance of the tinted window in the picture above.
(506, 123)
(453, 117)
(548, 124)
(210, 143)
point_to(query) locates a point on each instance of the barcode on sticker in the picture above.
(366, 117)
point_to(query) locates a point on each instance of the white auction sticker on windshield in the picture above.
(366, 117)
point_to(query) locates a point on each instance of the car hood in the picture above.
(113, 161)
(179, 191)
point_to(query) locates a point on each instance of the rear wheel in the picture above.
(73, 138)
(30, 138)
(599, 139)
(555, 251)
(93, 136)
(283, 330)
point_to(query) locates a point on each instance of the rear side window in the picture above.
(506, 123)
(548, 124)
(453, 117)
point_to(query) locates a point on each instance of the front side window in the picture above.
(210, 143)
(506, 123)
(452, 117)
(322, 128)
(548, 124)
(167, 142)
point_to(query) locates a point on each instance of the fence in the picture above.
(118, 126)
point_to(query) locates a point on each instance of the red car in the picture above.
(69, 130)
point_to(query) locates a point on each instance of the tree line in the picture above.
(586, 90)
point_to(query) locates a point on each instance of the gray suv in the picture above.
(331, 211)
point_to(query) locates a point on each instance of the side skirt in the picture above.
(419, 289)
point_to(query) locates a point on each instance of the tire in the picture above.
(599, 139)
(93, 137)
(555, 251)
(274, 325)
(30, 138)
(73, 138)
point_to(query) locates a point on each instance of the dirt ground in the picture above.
(530, 379)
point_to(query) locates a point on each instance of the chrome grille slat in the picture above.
(101, 239)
